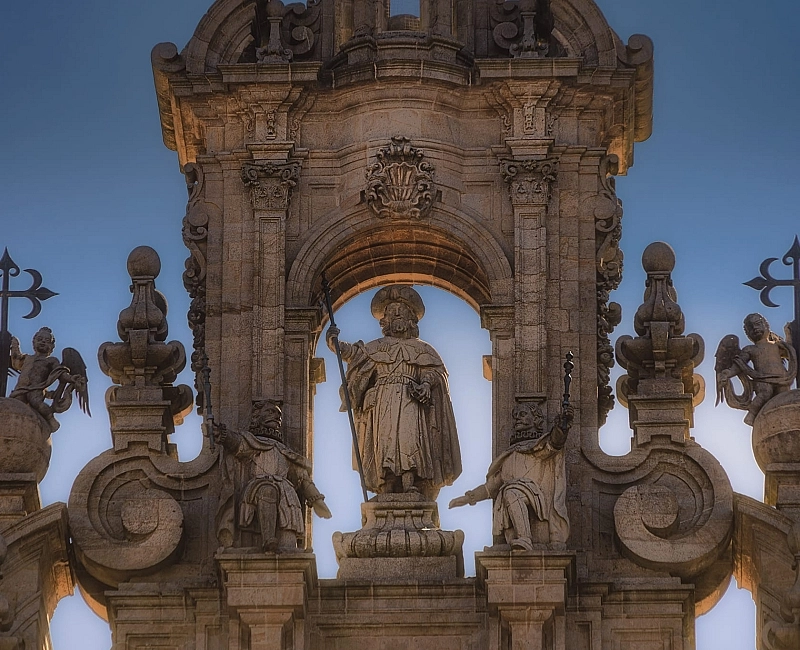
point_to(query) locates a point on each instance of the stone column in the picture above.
(301, 325)
(530, 181)
(271, 185)
(266, 599)
(499, 320)
(526, 594)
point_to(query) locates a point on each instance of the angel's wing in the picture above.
(727, 351)
(73, 360)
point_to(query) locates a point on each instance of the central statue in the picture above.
(401, 403)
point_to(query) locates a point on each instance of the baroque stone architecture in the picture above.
(474, 148)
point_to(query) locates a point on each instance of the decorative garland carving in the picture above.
(271, 184)
(530, 181)
(400, 184)
(195, 237)
(607, 209)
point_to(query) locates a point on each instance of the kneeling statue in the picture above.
(528, 480)
(266, 481)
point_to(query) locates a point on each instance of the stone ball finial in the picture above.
(144, 262)
(659, 258)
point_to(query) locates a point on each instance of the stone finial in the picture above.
(660, 360)
(143, 359)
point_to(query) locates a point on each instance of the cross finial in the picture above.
(36, 293)
(765, 283)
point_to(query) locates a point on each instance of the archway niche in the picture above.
(355, 260)
(452, 326)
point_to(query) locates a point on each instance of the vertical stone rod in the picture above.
(327, 288)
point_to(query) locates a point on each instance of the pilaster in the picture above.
(526, 595)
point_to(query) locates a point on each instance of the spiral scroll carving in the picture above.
(122, 524)
(679, 517)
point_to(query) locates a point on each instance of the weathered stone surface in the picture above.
(400, 541)
(24, 440)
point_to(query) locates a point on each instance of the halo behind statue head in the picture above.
(402, 293)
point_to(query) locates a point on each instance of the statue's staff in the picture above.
(568, 368)
(329, 306)
(208, 417)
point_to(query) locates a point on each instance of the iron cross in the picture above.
(766, 283)
(36, 293)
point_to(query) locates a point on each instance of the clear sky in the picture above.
(84, 177)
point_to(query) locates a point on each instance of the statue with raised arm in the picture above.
(398, 389)
(40, 370)
(765, 368)
(528, 484)
(265, 483)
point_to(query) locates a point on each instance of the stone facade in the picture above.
(473, 148)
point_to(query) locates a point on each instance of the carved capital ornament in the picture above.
(530, 181)
(271, 184)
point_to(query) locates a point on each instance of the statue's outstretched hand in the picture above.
(458, 502)
(321, 509)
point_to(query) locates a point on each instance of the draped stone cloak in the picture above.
(535, 468)
(251, 463)
(395, 431)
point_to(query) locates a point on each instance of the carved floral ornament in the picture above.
(530, 181)
(271, 184)
(400, 184)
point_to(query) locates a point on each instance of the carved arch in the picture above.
(459, 256)
(221, 36)
(224, 33)
(583, 31)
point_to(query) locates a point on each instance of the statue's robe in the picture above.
(536, 469)
(251, 463)
(396, 433)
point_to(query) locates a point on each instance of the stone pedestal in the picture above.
(776, 447)
(526, 594)
(400, 540)
(266, 597)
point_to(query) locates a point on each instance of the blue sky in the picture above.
(84, 177)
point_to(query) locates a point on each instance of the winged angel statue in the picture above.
(40, 370)
(765, 368)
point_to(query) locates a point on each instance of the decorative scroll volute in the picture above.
(400, 184)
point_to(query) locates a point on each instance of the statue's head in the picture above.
(43, 341)
(399, 309)
(756, 327)
(528, 422)
(266, 420)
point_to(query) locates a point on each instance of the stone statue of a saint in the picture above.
(40, 370)
(265, 481)
(528, 484)
(765, 368)
(401, 403)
